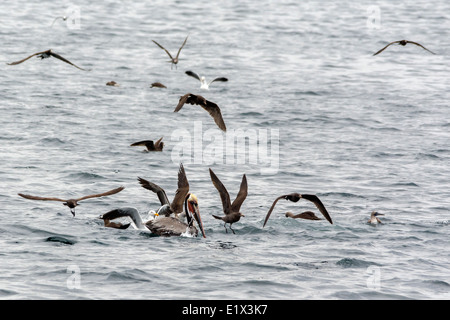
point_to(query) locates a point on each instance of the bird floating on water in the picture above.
(403, 43)
(150, 145)
(173, 60)
(164, 226)
(295, 197)
(212, 108)
(308, 215)
(72, 203)
(157, 85)
(47, 54)
(112, 84)
(374, 217)
(203, 83)
(231, 210)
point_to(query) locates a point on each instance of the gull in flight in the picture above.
(203, 83)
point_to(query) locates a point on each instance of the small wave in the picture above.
(127, 275)
(85, 175)
(52, 141)
(354, 263)
(60, 240)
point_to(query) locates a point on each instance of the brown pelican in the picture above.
(403, 43)
(150, 145)
(212, 108)
(167, 208)
(308, 215)
(231, 210)
(174, 61)
(294, 197)
(157, 85)
(44, 55)
(203, 83)
(374, 217)
(164, 226)
(72, 203)
(112, 83)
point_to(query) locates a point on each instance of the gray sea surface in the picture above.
(364, 133)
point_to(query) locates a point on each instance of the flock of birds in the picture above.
(182, 215)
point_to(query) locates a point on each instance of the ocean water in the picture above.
(363, 133)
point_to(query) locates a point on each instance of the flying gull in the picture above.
(295, 197)
(212, 108)
(203, 83)
(150, 145)
(72, 203)
(174, 61)
(44, 55)
(231, 210)
(403, 43)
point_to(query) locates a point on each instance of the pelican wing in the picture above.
(182, 191)
(27, 196)
(57, 56)
(226, 203)
(156, 189)
(125, 212)
(104, 194)
(193, 74)
(34, 54)
(319, 205)
(418, 44)
(163, 49)
(271, 209)
(385, 47)
(179, 50)
(221, 79)
(236, 205)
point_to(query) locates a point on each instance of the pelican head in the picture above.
(192, 210)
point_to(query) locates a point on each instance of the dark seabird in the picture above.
(203, 83)
(176, 206)
(112, 83)
(403, 43)
(374, 217)
(308, 215)
(212, 108)
(150, 145)
(173, 60)
(44, 55)
(294, 197)
(164, 226)
(72, 203)
(157, 85)
(231, 210)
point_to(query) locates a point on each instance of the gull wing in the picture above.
(236, 205)
(20, 61)
(418, 44)
(314, 199)
(385, 47)
(164, 49)
(226, 203)
(27, 196)
(179, 50)
(271, 208)
(57, 56)
(104, 194)
(193, 74)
